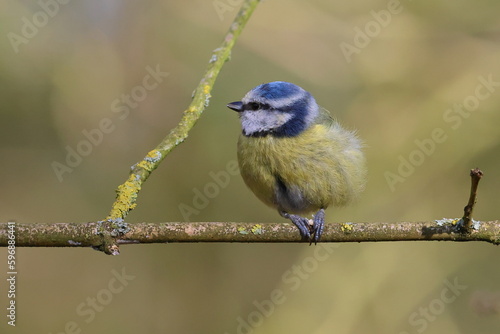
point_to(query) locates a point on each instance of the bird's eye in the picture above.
(254, 106)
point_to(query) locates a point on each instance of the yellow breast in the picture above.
(320, 167)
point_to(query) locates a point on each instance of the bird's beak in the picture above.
(236, 106)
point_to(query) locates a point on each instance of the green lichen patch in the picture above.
(257, 229)
(242, 230)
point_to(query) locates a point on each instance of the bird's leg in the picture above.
(301, 223)
(318, 225)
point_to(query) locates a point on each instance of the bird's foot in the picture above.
(301, 223)
(318, 225)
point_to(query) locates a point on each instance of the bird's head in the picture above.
(278, 108)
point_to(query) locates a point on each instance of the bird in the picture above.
(295, 157)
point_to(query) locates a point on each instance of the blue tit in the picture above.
(295, 157)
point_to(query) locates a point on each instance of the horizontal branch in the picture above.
(87, 234)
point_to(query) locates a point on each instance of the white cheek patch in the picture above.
(262, 120)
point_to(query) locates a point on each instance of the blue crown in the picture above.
(278, 90)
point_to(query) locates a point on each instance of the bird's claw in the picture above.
(308, 232)
(318, 225)
(301, 223)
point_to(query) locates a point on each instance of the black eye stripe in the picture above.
(257, 106)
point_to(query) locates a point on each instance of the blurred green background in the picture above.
(407, 66)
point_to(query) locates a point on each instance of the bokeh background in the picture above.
(63, 77)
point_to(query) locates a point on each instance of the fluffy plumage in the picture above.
(294, 156)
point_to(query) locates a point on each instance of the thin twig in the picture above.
(476, 174)
(127, 192)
